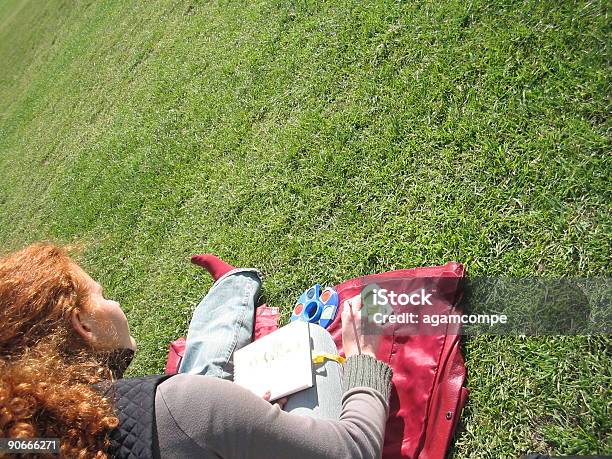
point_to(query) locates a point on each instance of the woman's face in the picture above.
(102, 322)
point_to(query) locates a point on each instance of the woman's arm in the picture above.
(200, 416)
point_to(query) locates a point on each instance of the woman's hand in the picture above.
(351, 322)
(281, 402)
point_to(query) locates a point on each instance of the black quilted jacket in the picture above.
(136, 435)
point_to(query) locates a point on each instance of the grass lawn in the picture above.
(317, 141)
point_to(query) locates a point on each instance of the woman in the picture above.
(62, 341)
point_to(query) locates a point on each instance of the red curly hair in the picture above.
(46, 369)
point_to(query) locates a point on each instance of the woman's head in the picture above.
(56, 327)
(44, 295)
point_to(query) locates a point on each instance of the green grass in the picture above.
(317, 141)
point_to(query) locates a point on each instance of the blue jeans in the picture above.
(223, 322)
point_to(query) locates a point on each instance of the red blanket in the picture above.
(428, 369)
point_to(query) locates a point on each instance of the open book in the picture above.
(280, 362)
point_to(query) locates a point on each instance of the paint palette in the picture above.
(317, 306)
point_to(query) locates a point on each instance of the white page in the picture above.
(280, 362)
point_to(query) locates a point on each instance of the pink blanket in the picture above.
(428, 368)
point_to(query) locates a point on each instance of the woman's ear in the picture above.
(81, 326)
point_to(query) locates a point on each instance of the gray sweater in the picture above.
(205, 417)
